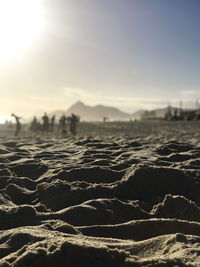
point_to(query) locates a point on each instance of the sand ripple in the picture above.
(100, 202)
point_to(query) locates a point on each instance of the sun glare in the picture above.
(21, 22)
(3, 119)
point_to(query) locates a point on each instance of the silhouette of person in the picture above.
(105, 119)
(73, 123)
(62, 124)
(18, 124)
(45, 120)
(34, 124)
(52, 122)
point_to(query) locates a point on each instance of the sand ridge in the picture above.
(100, 201)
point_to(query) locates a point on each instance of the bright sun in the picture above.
(21, 22)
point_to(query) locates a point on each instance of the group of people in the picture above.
(48, 124)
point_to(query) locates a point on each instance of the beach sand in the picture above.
(109, 200)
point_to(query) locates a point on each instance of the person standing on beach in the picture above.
(62, 124)
(34, 124)
(45, 119)
(73, 123)
(18, 124)
(52, 122)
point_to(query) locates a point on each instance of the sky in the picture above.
(131, 54)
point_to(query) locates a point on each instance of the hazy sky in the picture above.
(130, 54)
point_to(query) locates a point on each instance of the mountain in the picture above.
(94, 113)
(98, 112)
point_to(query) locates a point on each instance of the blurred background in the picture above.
(133, 56)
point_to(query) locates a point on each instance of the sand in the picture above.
(101, 200)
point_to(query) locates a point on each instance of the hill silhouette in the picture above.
(94, 113)
(98, 112)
